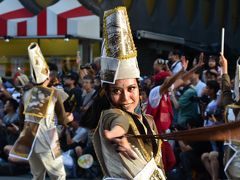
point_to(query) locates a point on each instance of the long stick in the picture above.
(222, 43)
(212, 133)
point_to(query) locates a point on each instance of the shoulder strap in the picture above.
(142, 131)
(175, 65)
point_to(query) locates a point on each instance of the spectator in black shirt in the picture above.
(74, 101)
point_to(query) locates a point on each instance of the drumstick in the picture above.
(222, 43)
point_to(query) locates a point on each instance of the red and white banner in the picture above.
(66, 17)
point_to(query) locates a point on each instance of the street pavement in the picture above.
(29, 176)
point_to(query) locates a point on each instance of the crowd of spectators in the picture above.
(194, 103)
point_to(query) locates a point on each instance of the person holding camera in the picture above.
(161, 71)
(175, 58)
(92, 69)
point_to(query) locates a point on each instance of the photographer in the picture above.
(91, 68)
(21, 84)
(161, 71)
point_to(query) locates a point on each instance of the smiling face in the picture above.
(211, 63)
(125, 93)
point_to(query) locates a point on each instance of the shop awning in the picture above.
(66, 17)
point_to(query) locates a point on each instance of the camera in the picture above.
(217, 113)
(209, 114)
(162, 61)
(86, 66)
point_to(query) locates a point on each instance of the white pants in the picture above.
(40, 163)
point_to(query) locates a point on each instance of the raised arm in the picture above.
(176, 80)
(168, 82)
(181, 77)
(226, 84)
(189, 73)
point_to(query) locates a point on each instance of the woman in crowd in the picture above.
(213, 70)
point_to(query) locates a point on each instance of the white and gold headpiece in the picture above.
(39, 68)
(119, 55)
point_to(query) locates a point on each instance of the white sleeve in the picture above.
(154, 97)
(81, 135)
(177, 68)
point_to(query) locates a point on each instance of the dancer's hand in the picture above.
(116, 135)
(69, 116)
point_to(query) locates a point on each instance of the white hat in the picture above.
(119, 55)
(39, 68)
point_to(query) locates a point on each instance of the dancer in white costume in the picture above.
(38, 141)
(232, 113)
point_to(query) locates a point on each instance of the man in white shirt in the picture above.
(197, 83)
(174, 57)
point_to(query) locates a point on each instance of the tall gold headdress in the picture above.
(119, 55)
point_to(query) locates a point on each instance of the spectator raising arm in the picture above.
(176, 80)
(188, 74)
(226, 84)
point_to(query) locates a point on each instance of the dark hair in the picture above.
(160, 82)
(213, 85)
(214, 58)
(73, 76)
(209, 72)
(199, 72)
(146, 89)
(13, 103)
(177, 52)
(52, 67)
(88, 77)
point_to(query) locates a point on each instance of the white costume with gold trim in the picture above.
(119, 61)
(232, 147)
(38, 141)
(146, 166)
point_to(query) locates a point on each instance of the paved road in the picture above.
(28, 176)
